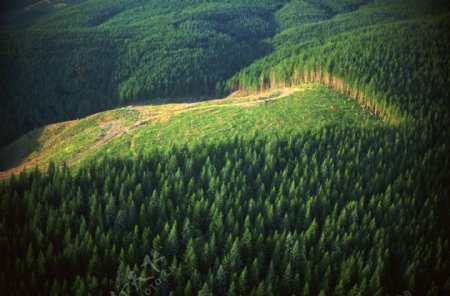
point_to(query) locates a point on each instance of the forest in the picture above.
(304, 213)
(336, 209)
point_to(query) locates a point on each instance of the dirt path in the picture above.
(187, 107)
(115, 128)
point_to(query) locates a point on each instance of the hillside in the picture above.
(206, 147)
(142, 127)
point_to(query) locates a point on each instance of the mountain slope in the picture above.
(139, 128)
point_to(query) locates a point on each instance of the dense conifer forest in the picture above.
(336, 209)
(304, 213)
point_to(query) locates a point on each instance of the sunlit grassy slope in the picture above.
(142, 127)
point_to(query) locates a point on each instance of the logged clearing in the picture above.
(141, 127)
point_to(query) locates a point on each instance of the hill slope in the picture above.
(140, 128)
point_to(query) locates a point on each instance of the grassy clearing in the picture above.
(143, 127)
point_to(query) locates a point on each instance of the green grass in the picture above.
(312, 107)
(140, 128)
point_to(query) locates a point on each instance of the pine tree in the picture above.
(205, 291)
(220, 281)
(172, 241)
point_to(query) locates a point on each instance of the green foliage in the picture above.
(339, 210)
(296, 13)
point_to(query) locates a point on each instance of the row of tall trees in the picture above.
(399, 70)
